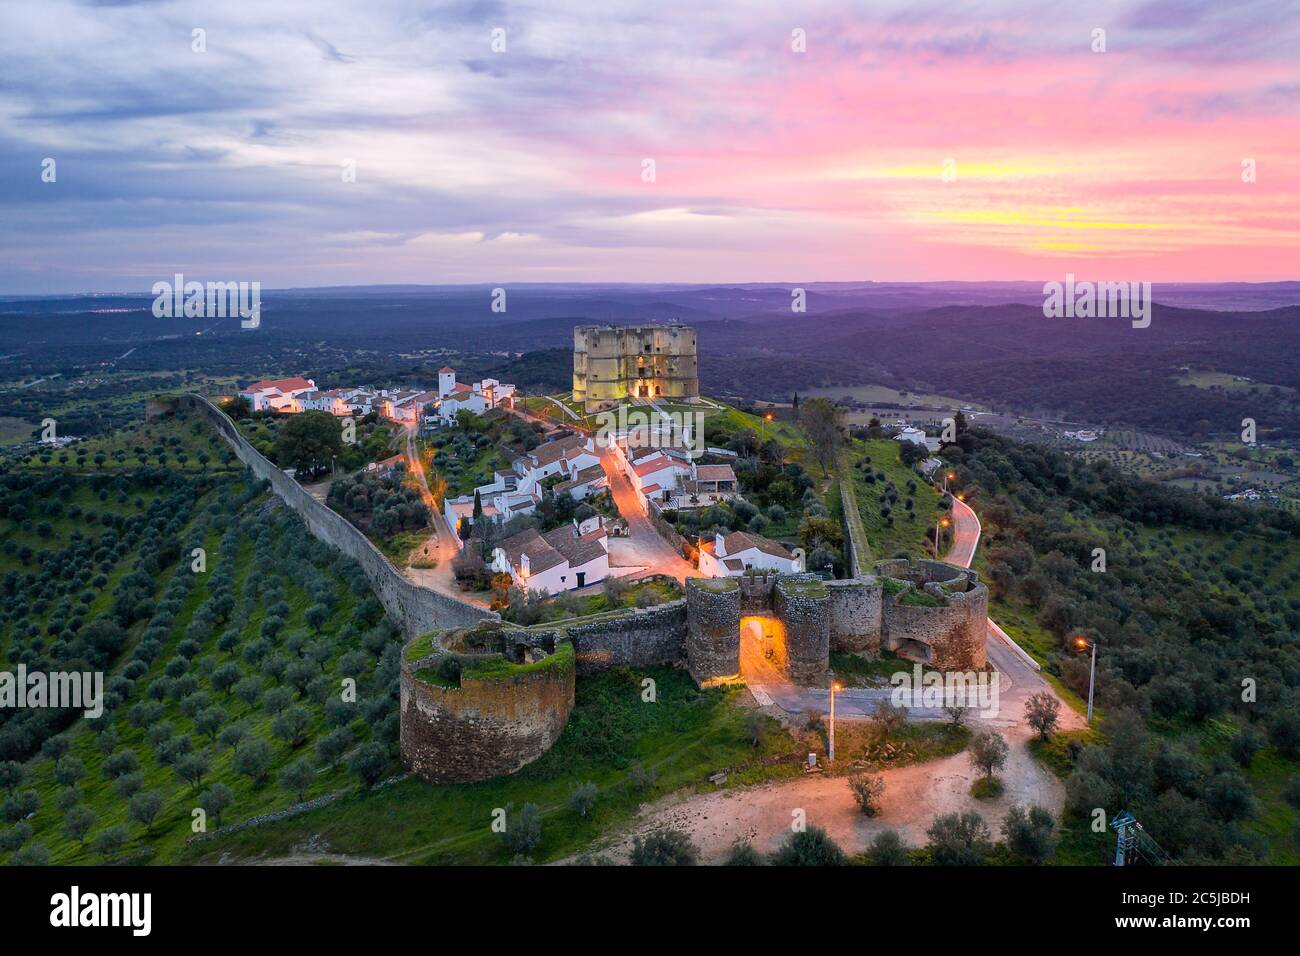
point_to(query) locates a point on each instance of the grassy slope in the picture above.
(907, 533)
(684, 736)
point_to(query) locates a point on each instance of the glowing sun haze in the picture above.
(526, 165)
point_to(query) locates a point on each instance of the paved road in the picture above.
(1017, 678)
(965, 534)
(440, 545)
(644, 546)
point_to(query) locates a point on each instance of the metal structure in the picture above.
(1133, 846)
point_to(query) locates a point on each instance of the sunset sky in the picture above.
(527, 165)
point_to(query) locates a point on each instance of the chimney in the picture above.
(719, 545)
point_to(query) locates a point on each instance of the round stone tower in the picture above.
(803, 605)
(713, 629)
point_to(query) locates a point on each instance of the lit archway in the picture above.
(763, 652)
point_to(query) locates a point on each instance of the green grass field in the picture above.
(683, 737)
(900, 530)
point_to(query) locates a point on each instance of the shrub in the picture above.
(959, 839)
(582, 799)
(216, 799)
(664, 847)
(810, 847)
(1246, 744)
(1042, 711)
(988, 751)
(888, 849)
(297, 778)
(108, 842)
(742, 853)
(369, 763)
(1030, 835)
(253, 760)
(642, 777)
(15, 836)
(867, 791)
(145, 807)
(523, 830)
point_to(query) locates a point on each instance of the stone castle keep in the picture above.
(613, 364)
(516, 685)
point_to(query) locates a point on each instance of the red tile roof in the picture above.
(651, 465)
(739, 541)
(715, 473)
(283, 384)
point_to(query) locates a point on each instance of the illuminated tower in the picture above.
(614, 364)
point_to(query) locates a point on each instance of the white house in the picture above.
(707, 485)
(454, 396)
(731, 555)
(672, 478)
(388, 465)
(656, 477)
(554, 562)
(519, 491)
(917, 436)
(461, 510)
(563, 456)
(588, 481)
(405, 405)
(277, 394)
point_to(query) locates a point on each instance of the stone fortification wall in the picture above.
(414, 609)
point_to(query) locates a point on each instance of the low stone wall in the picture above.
(802, 605)
(487, 726)
(925, 571)
(713, 629)
(857, 551)
(414, 609)
(644, 637)
(855, 610)
(667, 531)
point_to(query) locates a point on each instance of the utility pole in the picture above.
(1092, 680)
(1082, 643)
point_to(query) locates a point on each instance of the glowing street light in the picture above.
(830, 749)
(941, 523)
(1081, 643)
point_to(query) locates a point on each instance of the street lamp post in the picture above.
(940, 523)
(948, 476)
(1082, 643)
(830, 749)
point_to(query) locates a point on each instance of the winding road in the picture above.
(1018, 676)
(913, 796)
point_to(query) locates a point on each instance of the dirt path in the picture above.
(913, 797)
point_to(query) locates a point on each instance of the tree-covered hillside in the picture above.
(1195, 616)
(228, 672)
